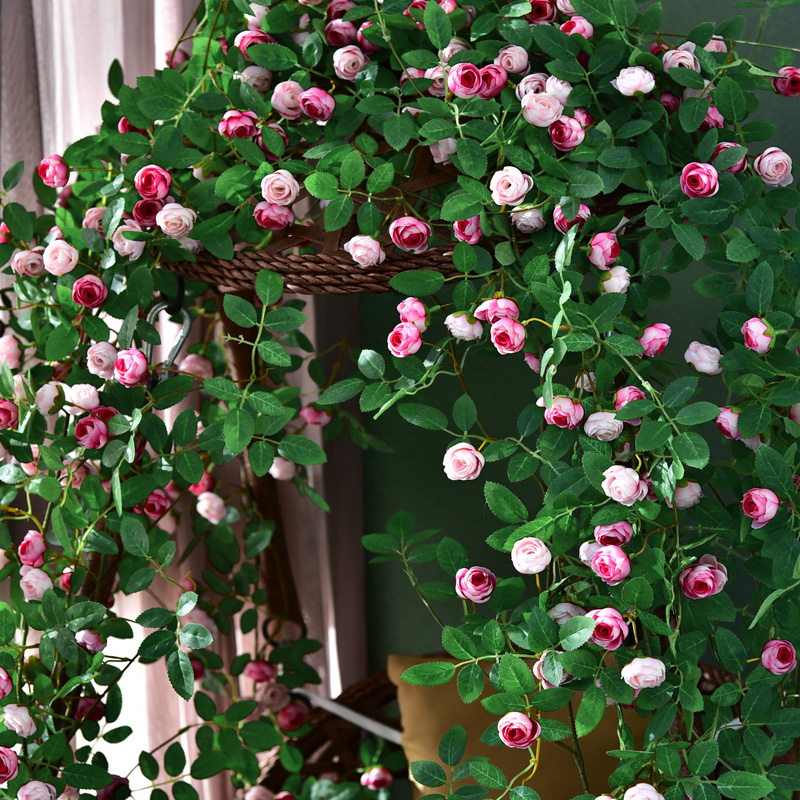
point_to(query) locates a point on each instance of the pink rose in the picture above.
(625, 395)
(563, 224)
(610, 630)
(365, 251)
(509, 186)
(413, 310)
(175, 220)
(340, 32)
(538, 669)
(89, 291)
(211, 507)
(317, 104)
(566, 7)
(564, 413)
(528, 220)
(237, 124)
(282, 470)
(5, 233)
(365, 44)
(534, 362)
(699, 180)
(257, 77)
(644, 673)
(611, 564)
(435, 74)
(703, 358)
(559, 89)
(517, 730)
(349, 61)
(464, 80)
(272, 216)
(616, 280)
(778, 656)
(280, 187)
(619, 534)
(157, 504)
(579, 25)
(338, 8)
(376, 778)
(205, 484)
(18, 718)
(197, 365)
(603, 426)
(53, 171)
(739, 166)
(671, 102)
(541, 109)
(682, 56)
(604, 250)
(513, 58)
(59, 257)
(129, 247)
(455, 46)
(90, 708)
(566, 133)
(468, 230)
(260, 671)
(275, 696)
(36, 790)
(404, 340)
(9, 415)
(586, 552)
(315, 416)
(535, 83)
(32, 549)
(728, 422)
(441, 152)
(584, 117)
(34, 582)
(144, 213)
(493, 80)
(9, 764)
(91, 433)
(623, 485)
(152, 182)
(286, 99)
(530, 556)
(47, 396)
(794, 413)
(461, 328)
(93, 218)
(110, 792)
(508, 336)
(462, 462)
(655, 338)
(717, 45)
(130, 367)
(411, 234)
(10, 352)
(686, 496)
(542, 12)
(634, 79)
(29, 262)
(760, 505)
(705, 578)
(758, 335)
(789, 83)
(774, 166)
(475, 584)
(561, 612)
(244, 39)
(6, 684)
(497, 308)
(293, 716)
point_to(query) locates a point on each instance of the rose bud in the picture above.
(497, 308)
(464, 80)
(93, 218)
(29, 262)
(682, 56)
(566, 7)
(413, 310)
(293, 716)
(774, 166)
(705, 578)
(315, 416)
(59, 257)
(619, 534)
(563, 224)
(728, 422)
(538, 669)
(493, 80)
(246, 38)
(468, 230)
(561, 612)
(272, 217)
(205, 484)
(376, 778)
(197, 365)
(703, 358)
(564, 413)
(6, 684)
(9, 764)
(759, 336)
(32, 549)
(10, 352)
(603, 426)
(348, 62)
(578, 25)
(566, 133)
(410, 234)
(286, 99)
(514, 59)
(130, 248)
(441, 152)
(671, 103)
(144, 213)
(517, 730)
(9, 415)
(760, 505)
(534, 362)
(559, 89)
(686, 495)
(508, 336)
(586, 552)
(111, 792)
(198, 669)
(604, 250)
(455, 46)
(435, 74)
(611, 564)
(152, 182)
(53, 171)
(18, 719)
(237, 124)
(89, 291)
(475, 584)
(259, 792)
(528, 220)
(274, 696)
(90, 708)
(211, 507)
(130, 367)
(739, 166)
(789, 83)
(625, 395)
(713, 119)
(280, 188)
(260, 671)
(655, 338)
(778, 656)
(610, 630)
(699, 180)
(623, 485)
(542, 12)
(317, 104)
(36, 790)
(461, 328)
(365, 44)
(365, 251)
(644, 673)
(462, 462)
(34, 582)
(717, 45)
(530, 556)
(536, 83)
(91, 433)
(404, 340)
(257, 77)
(634, 79)
(157, 504)
(340, 32)
(541, 109)
(282, 470)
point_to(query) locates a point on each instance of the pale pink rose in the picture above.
(211, 507)
(280, 187)
(338, 8)
(586, 552)
(758, 335)
(682, 56)
(293, 716)
(315, 416)
(376, 778)
(257, 77)
(686, 496)
(542, 12)
(774, 166)
(365, 44)
(464, 80)
(642, 791)
(739, 166)
(152, 182)
(728, 422)
(442, 150)
(699, 180)
(566, 7)
(414, 311)
(6, 684)
(47, 396)
(558, 89)
(530, 556)
(625, 395)
(93, 218)
(34, 582)
(260, 671)
(497, 308)
(317, 104)
(671, 102)
(509, 186)
(81, 397)
(584, 117)
(244, 39)
(713, 119)
(611, 564)
(518, 730)
(282, 470)
(272, 217)
(533, 361)
(9, 415)
(705, 578)
(274, 696)
(655, 338)
(340, 32)
(455, 46)
(634, 79)
(175, 220)
(566, 133)
(778, 656)
(100, 360)
(404, 340)
(130, 367)
(493, 80)
(561, 612)
(717, 45)
(237, 124)
(129, 247)
(619, 534)
(754, 442)
(475, 584)
(541, 109)
(286, 99)
(527, 220)
(365, 251)
(349, 61)
(32, 549)
(760, 505)
(794, 413)
(197, 365)
(10, 352)
(623, 485)
(789, 83)
(514, 59)
(604, 250)
(89, 291)
(9, 764)
(579, 25)
(610, 630)
(29, 262)
(535, 83)
(36, 790)
(468, 230)
(462, 462)
(703, 358)
(563, 224)
(508, 336)
(59, 257)
(410, 234)
(461, 328)
(17, 718)
(436, 74)
(616, 280)
(603, 426)
(564, 413)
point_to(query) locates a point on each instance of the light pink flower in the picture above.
(10, 351)
(624, 485)
(604, 249)
(530, 555)
(705, 578)
(760, 505)
(9, 415)
(611, 564)
(376, 778)
(461, 328)
(682, 56)
(699, 180)
(442, 150)
(340, 32)
(130, 367)
(703, 358)
(686, 496)
(578, 25)
(274, 696)
(404, 340)
(517, 730)
(365, 251)
(29, 262)
(644, 673)
(6, 684)
(717, 45)
(561, 612)
(32, 549)
(129, 247)
(625, 395)
(59, 257)
(514, 59)
(468, 230)
(497, 308)
(410, 234)
(739, 166)
(315, 416)
(34, 582)
(586, 552)
(559, 89)
(564, 413)
(152, 182)
(603, 426)
(464, 80)
(509, 186)
(317, 104)
(541, 109)
(414, 311)
(619, 534)
(436, 74)
(728, 422)
(349, 61)
(257, 77)
(475, 584)
(9, 764)
(566, 133)
(789, 83)
(774, 166)
(272, 217)
(36, 790)
(538, 668)
(211, 507)
(528, 220)
(260, 671)
(610, 630)
(758, 335)
(634, 79)
(534, 362)
(286, 100)
(778, 656)
(566, 7)
(535, 83)
(282, 470)
(563, 224)
(47, 396)
(100, 360)
(197, 365)
(462, 462)
(655, 338)
(89, 291)
(508, 336)
(81, 397)
(280, 187)
(175, 220)
(455, 46)
(244, 39)
(237, 124)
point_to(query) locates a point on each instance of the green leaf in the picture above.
(341, 391)
(352, 171)
(692, 449)
(460, 205)
(428, 773)
(456, 642)
(753, 420)
(692, 112)
(759, 288)
(269, 287)
(423, 416)
(774, 472)
(591, 709)
(575, 632)
(238, 430)
(504, 504)
(487, 774)
(741, 249)
(598, 12)
(85, 615)
(622, 158)
(731, 650)
(272, 56)
(453, 745)
(543, 631)
(284, 319)
(690, 239)
(398, 129)
(417, 282)
(465, 414)
(61, 342)
(703, 757)
(239, 311)
(86, 776)
(322, 185)
(472, 157)
(371, 364)
(19, 220)
(638, 592)
(301, 450)
(339, 212)
(435, 673)
(470, 682)
(437, 26)
(653, 435)
(12, 175)
(195, 636)
(730, 99)
(517, 678)
(744, 785)
(696, 414)
(274, 353)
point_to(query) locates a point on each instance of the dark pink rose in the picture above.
(89, 291)
(152, 182)
(53, 171)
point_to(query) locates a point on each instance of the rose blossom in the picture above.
(244, 39)
(376, 778)
(789, 83)
(461, 328)
(404, 340)
(760, 505)
(81, 397)
(18, 719)
(530, 555)
(541, 109)
(716, 45)
(634, 79)
(774, 166)
(10, 352)
(340, 32)
(338, 8)
(9, 764)
(365, 44)
(317, 104)
(32, 549)
(286, 99)
(410, 234)
(89, 291)
(53, 171)
(623, 485)
(442, 150)
(205, 484)
(682, 56)
(655, 338)
(6, 684)
(586, 552)
(9, 415)
(413, 310)
(468, 230)
(47, 396)
(29, 262)
(152, 182)
(603, 426)
(272, 217)
(349, 61)
(604, 249)
(778, 656)
(197, 365)
(493, 80)
(686, 496)
(564, 413)
(611, 564)
(559, 89)
(464, 80)
(508, 336)
(538, 669)
(93, 218)
(535, 83)
(91, 433)
(315, 416)
(619, 534)
(542, 12)
(579, 25)
(527, 220)
(566, 133)
(292, 717)
(728, 422)
(100, 360)
(513, 58)
(610, 630)
(275, 696)
(129, 247)
(130, 367)
(365, 251)
(566, 7)
(282, 470)
(144, 213)
(671, 103)
(758, 335)
(703, 358)
(436, 74)
(257, 77)
(699, 180)
(705, 578)
(563, 224)
(462, 462)
(211, 507)
(509, 186)
(497, 308)
(625, 395)
(455, 46)
(176, 220)
(561, 612)
(475, 584)
(59, 257)
(533, 361)
(237, 124)
(517, 730)
(644, 673)
(36, 790)
(34, 582)
(260, 671)
(739, 166)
